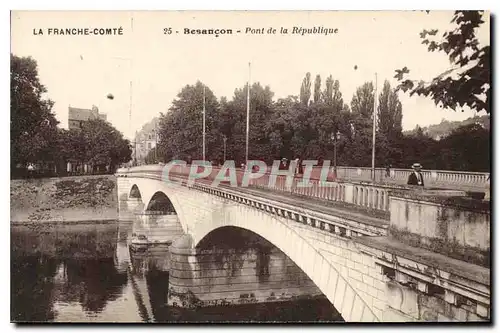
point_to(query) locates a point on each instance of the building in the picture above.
(145, 141)
(76, 116)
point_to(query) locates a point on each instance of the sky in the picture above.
(82, 70)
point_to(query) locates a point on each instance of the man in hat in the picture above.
(416, 177)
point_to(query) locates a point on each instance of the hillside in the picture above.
(443, 129)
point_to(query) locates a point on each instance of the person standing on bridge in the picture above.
(388, 171)
(416, 177)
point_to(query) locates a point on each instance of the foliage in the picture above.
(181, 128)
(305, 90)
(35, 137)
(96, 143)
(474, 152)
(151, 157)
(33, 127)
(317, 89)
(467, 82)
(290, 128)
(389, 125)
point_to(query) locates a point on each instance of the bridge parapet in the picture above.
(369, 195)
(343, 225)
(436, 178)
(374, 196)
(456, 226)
(424, 285)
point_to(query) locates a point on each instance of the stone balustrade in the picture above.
(337, 225)
(436, 178)
(365, 194)
(361, 194)
(352, 186)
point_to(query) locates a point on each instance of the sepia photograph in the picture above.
(250, 167)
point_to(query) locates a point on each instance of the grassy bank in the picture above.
(69, 199)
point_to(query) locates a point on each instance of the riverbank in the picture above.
(63, 200)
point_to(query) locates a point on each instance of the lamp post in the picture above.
(224, 138)
(335, 137)
(155, 132)
(135, 150)
(248, 113)
(130, 91)
(374, 128)
(203, 122)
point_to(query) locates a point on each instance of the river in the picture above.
(88, 272)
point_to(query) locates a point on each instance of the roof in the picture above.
(84, 114)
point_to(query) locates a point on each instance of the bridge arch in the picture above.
(161, 195)
(160, 202)
(134, 192)
(308, 258)
(243, 243)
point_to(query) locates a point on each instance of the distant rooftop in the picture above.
(84, 114)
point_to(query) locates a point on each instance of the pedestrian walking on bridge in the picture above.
(416, 177)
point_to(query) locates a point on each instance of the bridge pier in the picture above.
(155, 227)
(229, 276)
(128, 207)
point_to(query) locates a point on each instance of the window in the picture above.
(149, 145)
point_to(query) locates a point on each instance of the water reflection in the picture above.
(92, 273)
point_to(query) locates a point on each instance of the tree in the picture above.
(389, 126)
(32, 124)
(104, 144)
(466, 148)
(317, 89)
(362, 124)
(328, 118)
(389, 113)
(282, 127)
(467, 82)
(72, 146)
(151, 157)
(180, 130)
(305, 90)
(362, 108)
(261, 111)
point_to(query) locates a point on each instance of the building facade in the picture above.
(145, 141)
(77, 116)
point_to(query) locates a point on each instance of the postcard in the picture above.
(250, 166)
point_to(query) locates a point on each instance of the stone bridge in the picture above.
(375, 255)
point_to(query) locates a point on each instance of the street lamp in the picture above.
(248, 114)
(335, 138)
(155, 132)
(129, 60)
(204, 124)
(224, 138)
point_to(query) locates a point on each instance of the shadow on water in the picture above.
(90, 273)
(54, 266)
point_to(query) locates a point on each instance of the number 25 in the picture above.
(167, 31)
